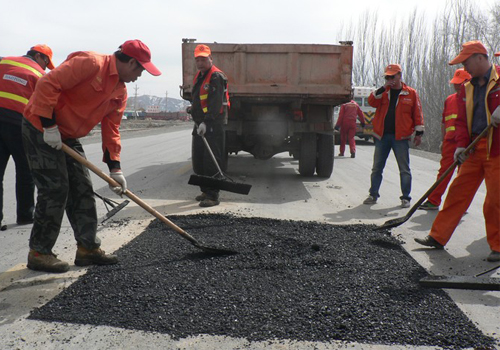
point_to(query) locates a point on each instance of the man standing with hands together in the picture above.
(398, 114)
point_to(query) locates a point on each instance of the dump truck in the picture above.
(282, 98)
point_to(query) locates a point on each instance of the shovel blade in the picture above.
(214, 251)
(392, 223)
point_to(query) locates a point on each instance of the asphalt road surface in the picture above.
(157, 166)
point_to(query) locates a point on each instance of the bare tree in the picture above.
(423, 50)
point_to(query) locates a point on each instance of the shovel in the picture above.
(399, 221)
(145, 206)
(463, 282)
(220, 183)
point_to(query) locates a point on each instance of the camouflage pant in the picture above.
(62, 184)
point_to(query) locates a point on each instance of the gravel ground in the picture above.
(290, 280)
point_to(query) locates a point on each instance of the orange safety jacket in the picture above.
(450, 114)
(465, 100)
(205, 86)
(409, 116)
(18, 77)
(83, 91)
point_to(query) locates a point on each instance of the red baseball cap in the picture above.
(47, 51)
(468, 49)
(138, 50)
(202, 51)
(392, 69)
(460, 76)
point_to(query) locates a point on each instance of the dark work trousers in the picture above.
(205, 165)
(11, 144)
(63, 184)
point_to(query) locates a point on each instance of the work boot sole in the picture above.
(88, 262)
(60, 268)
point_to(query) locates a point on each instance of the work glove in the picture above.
(337, 128)
(417, 140)
(202, 129)
(118, 177)
(52, 137)
(495, 117)
(460, 155)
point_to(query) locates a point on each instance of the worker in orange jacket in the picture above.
(18, 77)
(398, 115)
(85, 90)
(346, 123)
(448, 145)
(478, 107)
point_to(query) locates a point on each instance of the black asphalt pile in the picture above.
(290, 280)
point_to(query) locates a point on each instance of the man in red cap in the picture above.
(398, 115)
(478, 102)
(85, 90)
(210, 101)
(18, 77)
(448, 145)
(346, 123)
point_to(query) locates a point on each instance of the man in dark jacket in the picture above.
(209, 111)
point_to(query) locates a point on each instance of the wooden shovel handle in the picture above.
(450, 169)
(71, 152)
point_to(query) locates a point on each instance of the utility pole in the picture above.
(135, 100)
(166, 101)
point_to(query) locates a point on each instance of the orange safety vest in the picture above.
(450, 114)
(205, 86)
(18, 77)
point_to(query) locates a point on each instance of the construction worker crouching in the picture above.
(210, 100)
(85, 90)
(18, 78)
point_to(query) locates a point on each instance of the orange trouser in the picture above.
(347, 133)
(462, 191)
(447, 153)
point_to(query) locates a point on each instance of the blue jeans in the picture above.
(401, 150)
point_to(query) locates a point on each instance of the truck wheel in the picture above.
(307, 157)
(326, 152)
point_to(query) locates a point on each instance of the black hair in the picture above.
(32, 54)
(120, 56)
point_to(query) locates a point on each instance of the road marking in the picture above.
(15, 273)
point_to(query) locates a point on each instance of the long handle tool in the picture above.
(116, 207)
(144, 205)
(218, 181)
(399, 221)
(463, 282)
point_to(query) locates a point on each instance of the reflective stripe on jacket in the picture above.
(18, 77)
(83, 91)
(463, 133)
(450, 113)
(204, 89)
(409, 116)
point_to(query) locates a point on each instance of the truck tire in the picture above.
(307, 157)
(326, 152)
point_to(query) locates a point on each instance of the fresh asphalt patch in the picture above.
(290, 280)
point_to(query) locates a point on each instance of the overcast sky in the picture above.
(76, 25)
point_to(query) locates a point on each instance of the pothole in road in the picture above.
(290, 280)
